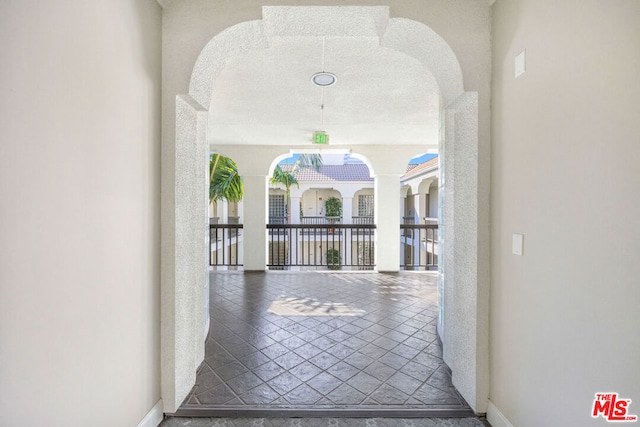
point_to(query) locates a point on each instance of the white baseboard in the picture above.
(496, 418)
(154, 417)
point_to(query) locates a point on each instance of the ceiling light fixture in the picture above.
(323, 79)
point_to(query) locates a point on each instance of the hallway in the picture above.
(312, 343)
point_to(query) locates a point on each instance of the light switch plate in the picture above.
(517, 244)
(520, 64)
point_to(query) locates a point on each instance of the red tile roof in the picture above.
(346, 172)
(420, 168)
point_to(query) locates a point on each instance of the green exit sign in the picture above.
(320, 138)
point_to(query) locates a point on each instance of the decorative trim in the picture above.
(496, 418)
(154, 417)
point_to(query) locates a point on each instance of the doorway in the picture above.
(462, 279)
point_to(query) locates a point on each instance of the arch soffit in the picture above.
(404, 35)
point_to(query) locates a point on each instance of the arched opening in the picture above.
(419, 229)
(449, 121)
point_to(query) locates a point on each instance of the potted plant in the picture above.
(333, 211)
(334, 259)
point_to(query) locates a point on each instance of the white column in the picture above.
(295, 210)
(347, 210)
(387, 219)
(418, 208)
(255, 222)
(418, 213)
(223, 211)
(294, 234)
(241, 212)
(347, 218)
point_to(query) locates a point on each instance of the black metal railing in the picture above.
(331, 246)
(408, 220)
(224, 245)
(278, 220)
(362, 219)
(420, 246)
(321, 220)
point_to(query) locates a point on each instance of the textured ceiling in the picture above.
(381, 95)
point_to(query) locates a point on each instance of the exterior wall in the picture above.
(313, 200)
(564, 316)
(79, 282)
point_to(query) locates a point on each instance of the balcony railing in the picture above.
(420, 246)
(278, 220)
(331, 246)
(325, 246)
(362, 219)
(408, 220)
(224, 245)
(321, 220)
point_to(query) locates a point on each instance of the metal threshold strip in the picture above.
(340, 412)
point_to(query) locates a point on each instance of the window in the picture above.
(277, 210)
(365, 205)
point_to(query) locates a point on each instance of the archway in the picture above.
(464, 318)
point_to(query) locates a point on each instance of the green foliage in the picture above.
(334, 259)
(225, 182)
(285, 178)
(307, 161)
(333, 207)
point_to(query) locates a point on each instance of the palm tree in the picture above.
(225, 182)
(307, 161)
(287, 179)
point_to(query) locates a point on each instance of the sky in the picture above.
(421, 159)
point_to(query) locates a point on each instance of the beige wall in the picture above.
(79, 281)
(565, 317)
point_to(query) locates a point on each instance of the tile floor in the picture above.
(323, 340)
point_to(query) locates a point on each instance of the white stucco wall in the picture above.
(79, 280)
(565, 322)
(187, 28)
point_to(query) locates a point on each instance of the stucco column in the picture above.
(418, 207)
(255, 222)
(295, 209)
(387, 218)
(294, 234)
(223, 212)
(241, 212)
(347, 218)
(347, 210)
